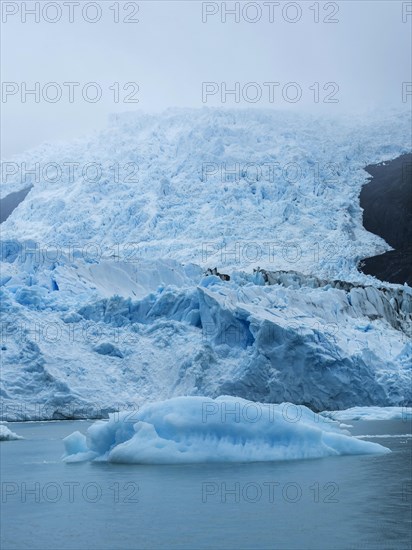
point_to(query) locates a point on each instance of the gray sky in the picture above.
(170, 52)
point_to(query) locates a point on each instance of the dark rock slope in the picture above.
(387, 204)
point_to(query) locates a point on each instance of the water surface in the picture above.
(331, 503)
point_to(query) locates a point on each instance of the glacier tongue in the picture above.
(105, 300)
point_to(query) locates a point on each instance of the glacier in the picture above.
(104, 297)
(199, 429)
(209, 186)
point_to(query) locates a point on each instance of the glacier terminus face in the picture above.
(109, 289)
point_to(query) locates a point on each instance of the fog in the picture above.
(322, 57)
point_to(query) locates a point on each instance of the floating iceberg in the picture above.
(370, 413)
(226, 429)
(8, 435)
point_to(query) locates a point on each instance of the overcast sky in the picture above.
(362, 59)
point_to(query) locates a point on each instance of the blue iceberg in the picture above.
(225, 429)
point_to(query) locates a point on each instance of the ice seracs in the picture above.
(216, 187)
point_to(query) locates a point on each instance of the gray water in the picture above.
(332, 503)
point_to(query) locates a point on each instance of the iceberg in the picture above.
(370, 413)
(7, 435)
(225, 429)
